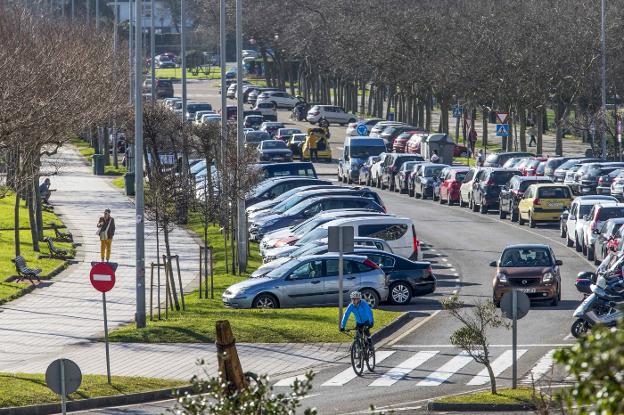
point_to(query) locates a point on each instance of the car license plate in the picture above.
(554, 205)
(527, 290)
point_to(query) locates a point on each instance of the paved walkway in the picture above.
(60, 318)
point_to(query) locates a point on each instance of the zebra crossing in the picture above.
(432, 368)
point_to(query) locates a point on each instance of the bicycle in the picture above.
(362, 350)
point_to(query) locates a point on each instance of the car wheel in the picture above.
(475, 207)
(448, 199)
(440, 199)
(590, 253)
(556, 298)
(371, 297)
(483, 208)
(520, 220)
(423, 196)
(352, 120)
(569, 242)
(501, 213)
(596, 260)
(579, 327)
(584, 248)
(496, 303)
(514, 214)
(400, 293)
(265, 301)
(531, 221)
(461, 201)
(391, 185)
(562, 229)
(410, 191)
(368, 182)
(577, 244)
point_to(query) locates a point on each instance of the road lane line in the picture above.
(446, 370)
(289, 381)
(541, 368)
(348, 374)
(404, 368)
(437, 346)
(502, 363)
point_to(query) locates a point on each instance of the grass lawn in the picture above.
(197, 323)
(20, 389)
(7, 205)
(215, 73)
(83, 147)
(119, 182)
(504, 396)
(115, 171)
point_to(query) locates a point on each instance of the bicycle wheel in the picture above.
(370, 357)
(357, 357)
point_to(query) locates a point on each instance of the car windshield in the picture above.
(526, 183)
(460, 175)
(198, 107)
(541, 168)
(610, 212)
(257, 137)
(569, 164)
(273, 144)
(308, 225)
(584, 210)
(298, 137)
(525, 257)
(279, 271)
(433, 171)
(307, 249)
(288, 203)
(362, 152)
(502, 177)
(316, 234)
(409, 165)
(553, 193)
(512, 162)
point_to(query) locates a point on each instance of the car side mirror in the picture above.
(494, 263)
(558, 262)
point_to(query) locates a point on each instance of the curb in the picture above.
(93, 403)
(381, 336)
(478, 407)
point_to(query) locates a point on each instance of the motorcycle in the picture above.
(602, 305)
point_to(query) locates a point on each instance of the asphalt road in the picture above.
(421, 363)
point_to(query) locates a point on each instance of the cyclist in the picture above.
(362, 312)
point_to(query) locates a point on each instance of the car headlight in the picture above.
(502, 277)
(548, 277)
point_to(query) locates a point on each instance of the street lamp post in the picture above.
(115, 47)
(241, 238)
(152, 51)
(603, 75)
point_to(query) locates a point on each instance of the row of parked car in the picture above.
(289, 216)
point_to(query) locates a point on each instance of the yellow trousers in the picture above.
(105, 248)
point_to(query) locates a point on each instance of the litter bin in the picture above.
(98, 164)
(129, 183)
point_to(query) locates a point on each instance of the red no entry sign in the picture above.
(102, 277)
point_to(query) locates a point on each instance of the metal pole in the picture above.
(183, 67)
(130, 50)
(108, 371)
(153, 50)
(138, 171)
(340, 278)
(63, 393)
(115, 46)
(603, 75)
(73, 10)
(241, 238)
(97, 14)
(88, 12)
(514, 340)
(222, 58)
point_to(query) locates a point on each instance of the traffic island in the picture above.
(507, 399)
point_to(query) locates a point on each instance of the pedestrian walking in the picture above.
(533, 133)
(472, 140)
(312, 145)
(106, 231)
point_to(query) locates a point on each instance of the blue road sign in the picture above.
(502, 130)
(361, 129)
(457, 111)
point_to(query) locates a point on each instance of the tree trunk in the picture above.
(16, 219)
(484, 134)
(444, 117)
(559, 120)
(172, 282)
(34, 233)
(523, 125)
(492, 379)
(428, 113)
(362, 98)
(539, 124)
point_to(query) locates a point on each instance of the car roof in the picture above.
(532, 178)
(332, 255)
(526, 246)
(364, 140)
(540, 185)
(616, 220)
(381, 220)
(594, 199)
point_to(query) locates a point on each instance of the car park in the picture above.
(279, 99)
(285, 134)
(210, 118)
(274, 187)
(606, 180)
(268, 111)
(391, 164)
(330, 114)
(422, 181)
(254, 138)
(511, 194)
(269, 204)
(310, 281)
(400, 142)
(365, 170)
(253, 121)
(413, 144)
(401, 179)
(531, 269)
(323, 149)
(553, 163)
(199, 114)
(356, 150)
(609, 233)
(486, 191)
(452, 178)
(587, 177)
(380, 126)
(271, 127)
(573, 219)
(352, 128)
(598, 214)
(286, 169)
(529, 168)
(499, 159)
(295, 144)
(391, 132)
(252, 98)
(274, 151)
(561, 171)
(193, 107)
(543, 202)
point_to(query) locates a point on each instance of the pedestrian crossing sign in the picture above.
(502, 130)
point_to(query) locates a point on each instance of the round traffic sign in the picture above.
(361, 129)
(70, 375)
(102, 277)
(523, 304)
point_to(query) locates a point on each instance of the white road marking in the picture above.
(502, 363)
(569, 337)
(444, 259)
(541, 368)
(403, 369)
(348, 374)
(289, 381)
(450, 346)
(446, 371)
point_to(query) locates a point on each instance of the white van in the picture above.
(400, 233)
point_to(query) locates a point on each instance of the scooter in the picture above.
(601, 306)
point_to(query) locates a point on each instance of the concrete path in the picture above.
(62, 317)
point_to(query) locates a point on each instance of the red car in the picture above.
(400, 143)
(413, 144)
(452, 178)
(460, 151)
(528, 167)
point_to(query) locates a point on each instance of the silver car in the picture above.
(310, 281)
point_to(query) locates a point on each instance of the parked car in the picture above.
(253, 121)
(511, 194)
(606, 180)
(531, 269)
(588, 176)
(401, 179)
(486, 191)
(295, 144)
(561, 171)
(380, 126)
(365, 170)
(421, 183)
(269, 204)
(376, 169)
(330, 114)
(543, 202)
(165, 61)
(274, 151)
(310, 281)
(498, 159)
(193, 107)
(323, 149)
(514, 162)
(352, 128)
(284, 134)
(275, 187)
(254, 138)
(271, 127)
(164, 88)
(279, 99)
(553, 163)
(391, 132)
(406, 279)
(608, 233)
(573, 219)
(252, 98)
(392, 164)
(286, 169)
(529, 168)
(269, 113)
(413, 144)
(465, 190)
(598, 214)
(356, 150)
(452, 178)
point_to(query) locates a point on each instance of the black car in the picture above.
(191, 109)
(401, 180)
(365, 176)
(391, 166)
(486, 191)
(254, 138)
(406, 279)
(253, 121)
(286, 169)
(511, 194)
(561, 171)
(423, 180)
(587, 181)
(610, 229)
(274, 187)
(498, 159)
(274, 150)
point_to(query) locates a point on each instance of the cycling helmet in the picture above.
(356, 294)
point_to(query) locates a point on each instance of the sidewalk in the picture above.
(61, 317)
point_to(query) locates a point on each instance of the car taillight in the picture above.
(455, 184)
(600, 180)
(315, 113)
(415, 240)
(370, 263)
(489, 183)
(537, 202)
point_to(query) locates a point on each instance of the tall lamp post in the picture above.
(241, 239)
(603, 75)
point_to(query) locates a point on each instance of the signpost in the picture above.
(102, 277)
(618, 128)
(63, 377)
(362, 129)
(458, 110)
(515, 305)
(340, 239)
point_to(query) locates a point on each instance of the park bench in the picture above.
(60, 236)
(54, 251)
(23, 271)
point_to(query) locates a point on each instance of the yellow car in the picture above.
(322, 145)
(544, 202)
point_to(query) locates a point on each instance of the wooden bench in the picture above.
(60, 236)
(54, 251)
(24, 272)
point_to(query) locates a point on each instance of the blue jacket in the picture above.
(363, 314)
